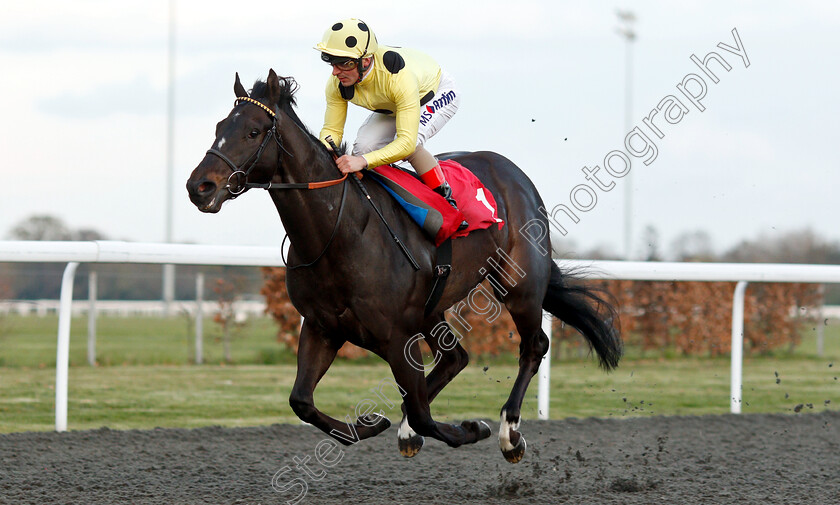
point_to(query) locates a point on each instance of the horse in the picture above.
(352, 284)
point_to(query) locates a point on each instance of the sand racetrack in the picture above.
(761, 459)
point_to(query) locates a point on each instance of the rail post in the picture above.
(91, 345)
(737, 359)
(199, 318)
(545, 371)
(62, 354)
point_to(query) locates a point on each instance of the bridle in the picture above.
(238, 179)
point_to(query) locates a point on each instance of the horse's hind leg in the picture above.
(315, 355)
(403, 359)
(450, 359)
(526, 312)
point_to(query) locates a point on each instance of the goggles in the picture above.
(340, 62)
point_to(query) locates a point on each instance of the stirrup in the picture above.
(445, 190)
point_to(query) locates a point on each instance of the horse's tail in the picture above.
(585, 309)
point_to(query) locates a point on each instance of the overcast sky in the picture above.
(84, 86)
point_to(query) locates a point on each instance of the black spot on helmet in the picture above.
(349, 38)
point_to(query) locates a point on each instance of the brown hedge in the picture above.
(690, 318)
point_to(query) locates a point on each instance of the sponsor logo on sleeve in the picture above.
(431, 108)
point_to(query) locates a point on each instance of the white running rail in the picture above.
(74, 253)
(742, 273)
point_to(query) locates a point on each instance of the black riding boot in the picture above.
(445, 190)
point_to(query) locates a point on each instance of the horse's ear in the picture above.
(273, 86)
(238, 88)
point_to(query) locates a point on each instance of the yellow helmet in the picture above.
(349, 38)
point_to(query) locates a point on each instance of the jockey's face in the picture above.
(349, 77)
(346, 77)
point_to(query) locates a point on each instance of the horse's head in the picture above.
(245, 150)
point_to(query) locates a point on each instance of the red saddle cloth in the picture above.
(476, 204)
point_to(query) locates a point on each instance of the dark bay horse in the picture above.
(351, 283)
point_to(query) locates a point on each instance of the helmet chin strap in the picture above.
(362, 69)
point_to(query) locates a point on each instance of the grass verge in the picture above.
(150, 381)
(126, 397)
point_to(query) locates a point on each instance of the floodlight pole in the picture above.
(169, 270)
(627, 18)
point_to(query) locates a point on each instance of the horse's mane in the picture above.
(287, 102)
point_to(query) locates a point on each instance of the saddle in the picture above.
(439, 220)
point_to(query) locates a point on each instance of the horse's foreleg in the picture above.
(450, 359)
(532, 348)
(315, 355)
(410, 378)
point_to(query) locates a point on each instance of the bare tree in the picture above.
(41, 227)
(650, 244)
(797, 246)
(692, 246)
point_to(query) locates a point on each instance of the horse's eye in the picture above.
(254, 133)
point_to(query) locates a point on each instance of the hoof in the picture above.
(480, 428)
(409, 447)
(516, 454)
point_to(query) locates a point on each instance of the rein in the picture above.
(238, 179)
(238, 183)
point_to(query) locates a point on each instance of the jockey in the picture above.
(410, 95)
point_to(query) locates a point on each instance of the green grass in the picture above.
(31, 341)
(152, 383)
